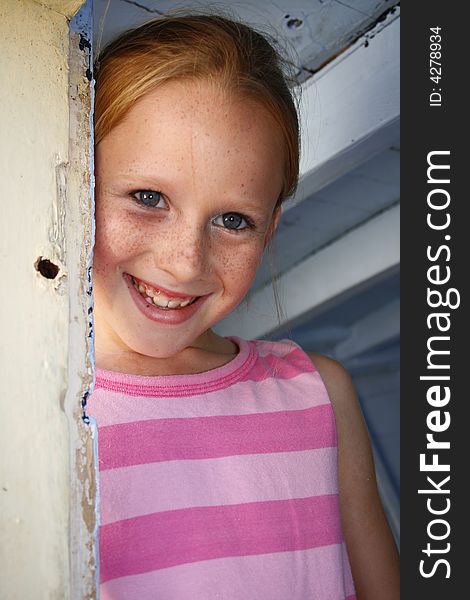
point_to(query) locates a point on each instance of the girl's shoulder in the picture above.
(350, 423)
(338, 384)
(368, 537)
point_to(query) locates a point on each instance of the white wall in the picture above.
(43, 441)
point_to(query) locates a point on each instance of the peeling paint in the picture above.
(57, 229)
(80, 239)
(85, 46)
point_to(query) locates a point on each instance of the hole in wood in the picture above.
(47, 268)
(294, 23)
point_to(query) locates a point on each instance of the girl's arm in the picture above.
(371, 548)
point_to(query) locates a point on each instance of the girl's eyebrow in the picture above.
(255, 207)
(125, 176)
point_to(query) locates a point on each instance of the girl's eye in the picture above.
(148, 197)
(233, 220)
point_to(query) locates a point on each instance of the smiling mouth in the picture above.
(157, 297)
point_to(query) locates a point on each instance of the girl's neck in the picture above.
(190, 360)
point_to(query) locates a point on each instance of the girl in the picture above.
(224, 472)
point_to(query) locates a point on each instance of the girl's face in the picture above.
(186, 187)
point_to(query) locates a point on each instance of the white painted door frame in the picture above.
(48, 482)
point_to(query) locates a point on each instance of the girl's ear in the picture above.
(272, 226)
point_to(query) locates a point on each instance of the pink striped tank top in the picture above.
(222, 484)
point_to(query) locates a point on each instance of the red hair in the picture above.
(209, 48)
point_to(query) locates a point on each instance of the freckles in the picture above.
(116, 236)
(251, 264)
(239, 265)
(173, 249)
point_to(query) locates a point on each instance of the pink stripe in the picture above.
(156, 487)
(113, 408)
(278, 348)
(297, 575)
(292, 365)
(164, 539)
(210, 437)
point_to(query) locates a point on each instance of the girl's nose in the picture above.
(185, 256)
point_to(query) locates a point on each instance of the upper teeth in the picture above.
(159, 298)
